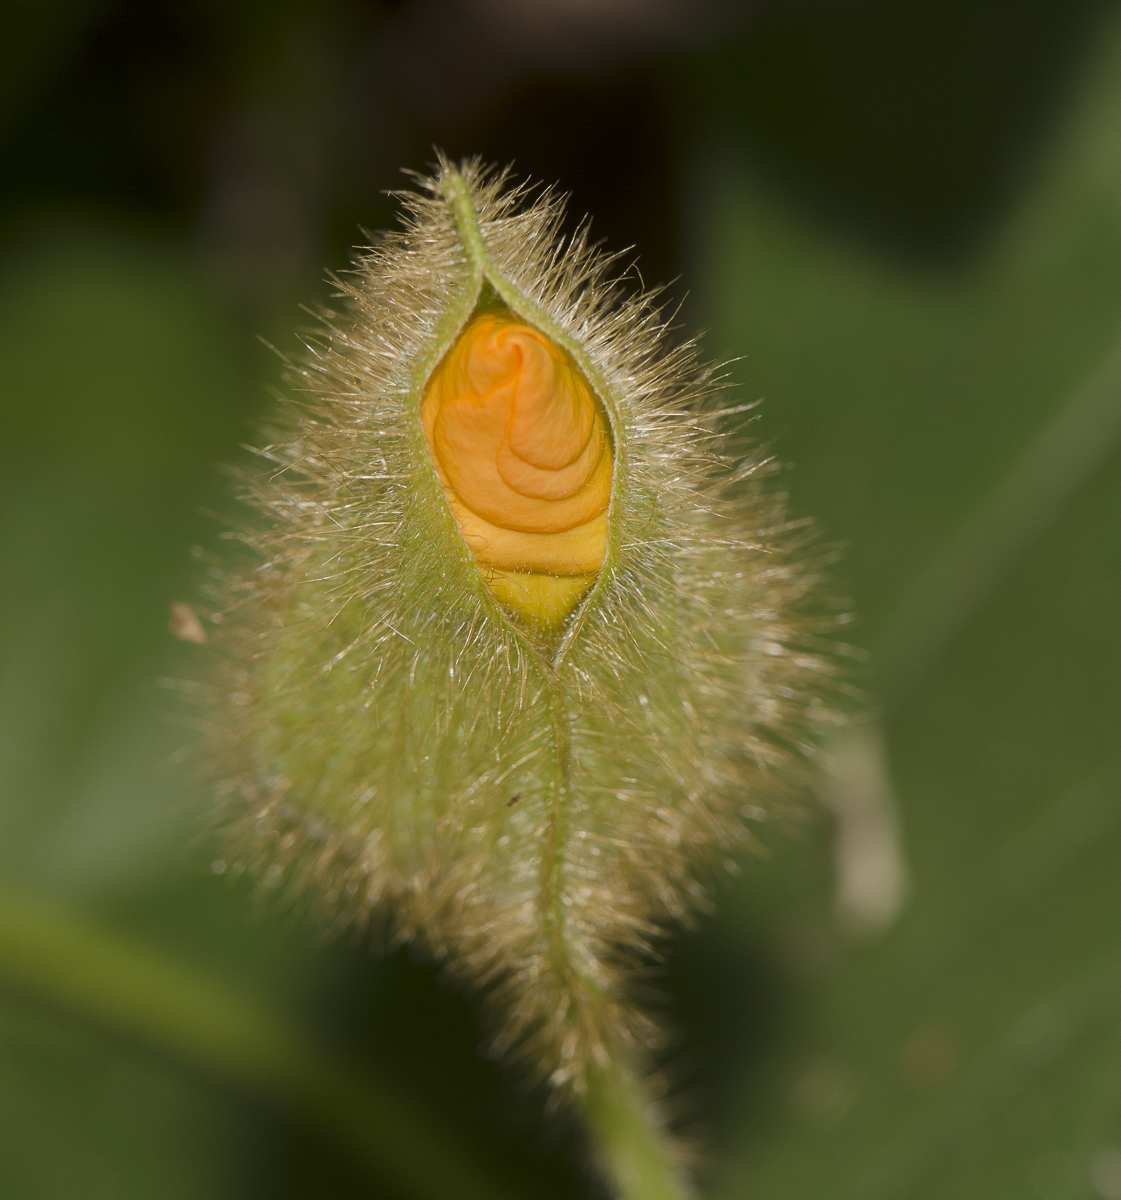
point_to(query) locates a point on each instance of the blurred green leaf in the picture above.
(108, 343)
(82, 1116)
(976, 1050)
(123, 385)
(184, 1015)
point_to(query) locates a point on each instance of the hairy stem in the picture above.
(113, 982)
(627, 1138)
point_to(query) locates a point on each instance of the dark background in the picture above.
(903, 220)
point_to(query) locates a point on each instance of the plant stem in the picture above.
(115, 982)
(631, 1147)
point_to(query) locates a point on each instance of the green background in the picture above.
(903, 223)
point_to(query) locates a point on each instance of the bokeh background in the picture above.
(902, 221)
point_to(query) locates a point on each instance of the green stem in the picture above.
(113, 981)
(628, 1138)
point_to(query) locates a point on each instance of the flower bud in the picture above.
(519, 651)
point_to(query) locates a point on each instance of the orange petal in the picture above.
(523, 450)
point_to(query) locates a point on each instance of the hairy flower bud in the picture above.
(521, 650)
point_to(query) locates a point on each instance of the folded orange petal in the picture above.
(524, 453)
